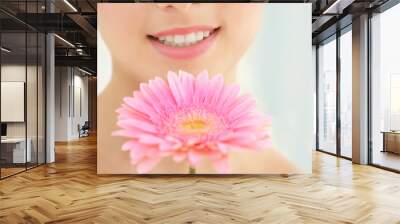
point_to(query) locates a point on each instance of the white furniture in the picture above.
(18, 148)
(12, 101)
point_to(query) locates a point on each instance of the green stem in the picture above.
(192, 170)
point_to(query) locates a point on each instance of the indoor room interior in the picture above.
(48, 150)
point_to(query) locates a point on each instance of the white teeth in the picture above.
(179, 39)
(184, 40)
(169, 38)
(199, 36)
(190, 38)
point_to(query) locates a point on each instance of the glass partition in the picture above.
(23, 91)
(32, 95)
(14, 153)
(41, 107)
(385, 89)
(327, 96)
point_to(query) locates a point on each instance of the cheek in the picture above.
(122, 30)
(239, 33)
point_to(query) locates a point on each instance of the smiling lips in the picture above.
(184, 43)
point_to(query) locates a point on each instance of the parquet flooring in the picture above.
(70, 191)
(10, 171)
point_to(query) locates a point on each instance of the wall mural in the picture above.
(204, 88)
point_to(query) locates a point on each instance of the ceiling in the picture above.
(76, 22)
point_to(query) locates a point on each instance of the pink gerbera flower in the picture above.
(189, 118)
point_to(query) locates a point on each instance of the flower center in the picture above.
(195, 126)
(193, 122)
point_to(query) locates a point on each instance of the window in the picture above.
(346, 93)
(385, 89)
(327, 96)
(395, 101)
(22, 78)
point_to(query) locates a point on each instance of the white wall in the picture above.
(62, 81)
(283, 81)
(80, 104)
(34, 125)
(12, 73)
(71, 94)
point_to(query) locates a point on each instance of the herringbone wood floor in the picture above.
(69, 191)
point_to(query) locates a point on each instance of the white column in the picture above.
(50, 98)
(360, 90)
(63, 101)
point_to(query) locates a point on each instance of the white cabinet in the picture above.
(19, 155)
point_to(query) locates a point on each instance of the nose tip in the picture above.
(184, 7)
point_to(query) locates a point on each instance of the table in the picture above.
(391, 141)
(16, 147)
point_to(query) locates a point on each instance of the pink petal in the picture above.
(139, 151)
(151, 99)
(179, 157)
(146, 165)
(194, 157)
(169, 146)
(175, 86)
(127, 133)
(201, 87)
(126, 111)
(140, 105)
(187, 85)
(150, 139)
(152, 152)
(229, 94)
(214, 155)
(221, 165)
(262, 145)
(164, 92)
(248, 121)
(224, 148)
(133, 123)
(137, 155)
(217, 89)
(129, 145)
(243, 106)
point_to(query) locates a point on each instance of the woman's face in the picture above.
(147, 40)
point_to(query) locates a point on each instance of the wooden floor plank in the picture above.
(70, 191)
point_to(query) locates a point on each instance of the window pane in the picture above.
(41, 98)
(22, 89)
(346, 94)
(327, 96)
(386, 88)
(31, 100)
(15, 150)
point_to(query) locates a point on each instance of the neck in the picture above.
(230, 76)
(123, 85)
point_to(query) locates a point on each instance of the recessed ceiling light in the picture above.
(84, 71)
(64, 40)
(70, 5)
(5, 50)
(337, 7)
